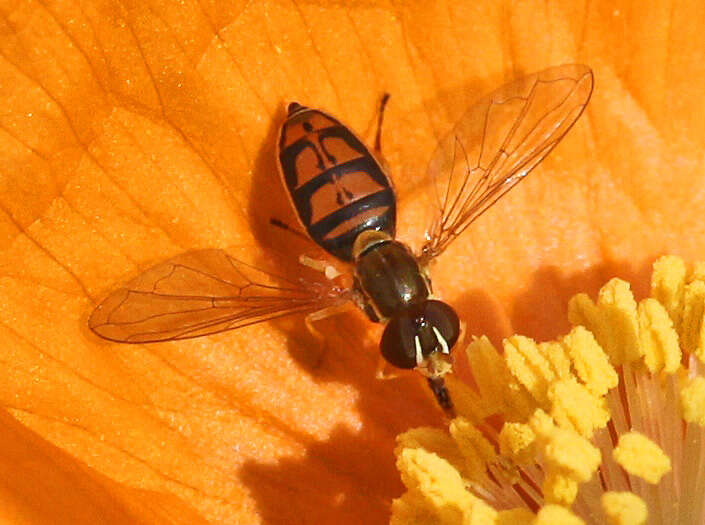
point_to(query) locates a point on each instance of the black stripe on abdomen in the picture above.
(341, 244)
(302, 196)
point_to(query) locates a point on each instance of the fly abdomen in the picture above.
(335, 184)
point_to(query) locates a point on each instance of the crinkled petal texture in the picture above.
(133, 131)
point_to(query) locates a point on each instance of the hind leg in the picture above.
(320, 315)
(377, 150)
(380, 121)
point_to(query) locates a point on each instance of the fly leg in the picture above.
(436, 384)
(383, 370)
(461, 336)
(380, 121)
(284, 226)
(293, 232)
(378, 134)
(330, 271)
(319, 315)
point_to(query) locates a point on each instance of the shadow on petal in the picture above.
(43, 484)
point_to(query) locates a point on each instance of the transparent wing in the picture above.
(205, 292)
(498, 142)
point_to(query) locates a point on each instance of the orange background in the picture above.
(133, 131)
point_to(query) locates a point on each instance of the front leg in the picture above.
(323, 266)
(384, 371)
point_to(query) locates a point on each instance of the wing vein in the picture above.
(502, 138)
(206, 292)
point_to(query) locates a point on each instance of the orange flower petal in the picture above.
(42, 484)
(133, 132)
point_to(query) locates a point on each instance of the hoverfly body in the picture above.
(346, 203)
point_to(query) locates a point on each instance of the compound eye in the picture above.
(398, 345)
(419, 331)
(444, 319)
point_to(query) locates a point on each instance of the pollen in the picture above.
(624, 508)
(564, 450)
(557, 355)
(496, 384)
(574, 406)
(697, 273)
(668, 286)
(692, 334)
(467, 401)
(474, 447)
(432, 440)
(559, 489)
(556, 515)
(657, 337)
(613, 320)
(516, 441)
(529, 366)
(436, 493)
(555, 432)
(590, 361)
(692, 398)
(641, 457)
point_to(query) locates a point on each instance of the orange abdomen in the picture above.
(336, 186)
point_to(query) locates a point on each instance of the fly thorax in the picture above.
(388, 278)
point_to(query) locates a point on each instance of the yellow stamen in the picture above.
(589, 360)
(624, 508)
(467, 401)
(529, 366)
(556, 515)
(641, 457)
(564, 450)
(557, 355)
(692, 397)
(431, 440)
(477, 451)
(668, 285)
(496, 384)
(573, 406)
(698, 271)
(692, 337)
(436, 493)
(657, 337)
(540, 419)
(516, 441)
(559, 489)
(518, 516)
(612, 320)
